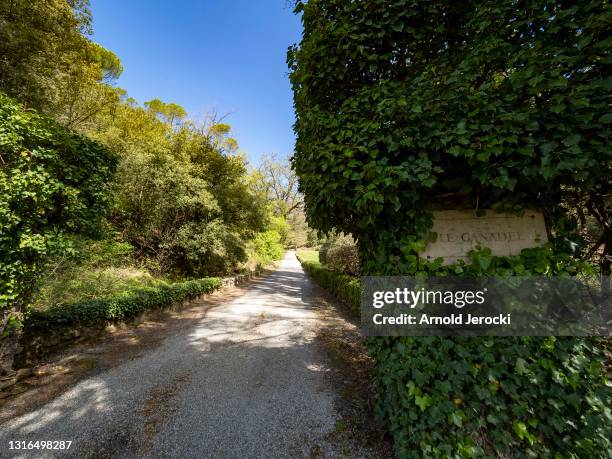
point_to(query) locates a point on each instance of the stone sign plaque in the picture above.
(505, 234)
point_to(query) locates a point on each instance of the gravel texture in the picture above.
(249, 380)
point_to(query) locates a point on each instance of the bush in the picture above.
(268, 247)
(122, 306)
(345, 288)
(340, 253)
(205, 248)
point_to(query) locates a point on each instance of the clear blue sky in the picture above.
(205, 55)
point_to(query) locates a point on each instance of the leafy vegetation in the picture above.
(339, 252)
(405, 106)
(123, 305)
(268, 246)
(48, 63)
(466, 383)
(345, 288)
(184, 203)
(52, 183)
(95, 269)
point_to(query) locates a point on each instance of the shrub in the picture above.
(205, 248)
(123, 306)
(268, 246)
(340, 254)
(326, 242)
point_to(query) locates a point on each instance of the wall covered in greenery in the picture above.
(402, 105)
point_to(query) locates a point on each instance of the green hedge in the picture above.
(493, 397)
(520, 394)
(346, 288)
(123, 306)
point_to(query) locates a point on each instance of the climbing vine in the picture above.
(405, 106)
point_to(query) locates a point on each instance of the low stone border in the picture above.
(240, 279)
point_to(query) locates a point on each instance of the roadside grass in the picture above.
(343, 343)
(308, 255)
(89, 284)
(94, 270)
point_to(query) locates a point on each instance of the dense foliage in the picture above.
(398, 102)
(405, 106)
(183, 199)
(340, 253)
(268, 246)
(52, 183)
(471, 386)
(48, 63)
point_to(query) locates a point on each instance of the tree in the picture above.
(168, 112)
(87, 92)
(40, 42)
(48, 62)
(275, 180)
(182, 199)
(486, 105)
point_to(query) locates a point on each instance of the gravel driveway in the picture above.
(248, 380)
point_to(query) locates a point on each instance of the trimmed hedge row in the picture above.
(124, 306)
(345, 288)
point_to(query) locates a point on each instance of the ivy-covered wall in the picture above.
(404, 105)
